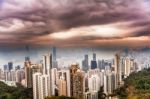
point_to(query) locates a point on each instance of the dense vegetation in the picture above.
(137, 86)
(19, 92)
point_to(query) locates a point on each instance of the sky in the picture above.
(103, 24)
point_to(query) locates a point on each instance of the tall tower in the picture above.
(54, 53)
(36, 85)
(94, 80)
(94, 62)
(54, 81)
(62, 85)
(44, 86)
(117, 69)
(77, 85)
(28, 73)
(127, 66)
(10, 66)
(73, 70)
(64, 77)
(94, 56)
(30, 69)
(54, 56)
(85, 63)
(109, 83)
(47, 64)
(41, 87)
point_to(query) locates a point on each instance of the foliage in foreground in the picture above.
(137, 86)
(10, 92)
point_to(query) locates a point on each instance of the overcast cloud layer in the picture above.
(120, 23)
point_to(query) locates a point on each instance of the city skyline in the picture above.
(78, 81)
(67, 56)
(74, 49)
(73, 55)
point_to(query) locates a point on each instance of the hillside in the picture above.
(137, 86)
(19, 92)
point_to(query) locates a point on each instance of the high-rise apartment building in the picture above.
(62, 86)
(109, 83)
(20, 75)
(44, 86)
(64, 77)
(41, 87)
(117, 69)
(94, 83)
(36, 85)
(47, 64)
(73, 70)
(54, 81)
(30, 69)
(78, 85)
(77, 82)
(127, 66)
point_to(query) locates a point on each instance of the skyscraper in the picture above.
(54, 56)
(77, 85)
(94, 62)
(94, 56)
(47, 64)
(109, 83)
(62, 85)
(73, 70)
(10, 66)
(20, 75)
(41, 87)
(27, 58)
(36, 85)
(44, 86)
(94, 80)
(5, 67)
(12, 75)
(30, 69)
(94, 83)
(64, 76)
(127, 66)
(117, 70)
(54, 53)
(85, 63)
(54, 81)
(28, 74)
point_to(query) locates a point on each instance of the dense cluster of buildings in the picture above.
(81, 82)
(11, 75)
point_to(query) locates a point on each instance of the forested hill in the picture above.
(19, 92)
(137, 86)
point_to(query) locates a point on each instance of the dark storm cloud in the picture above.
(43, 17)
